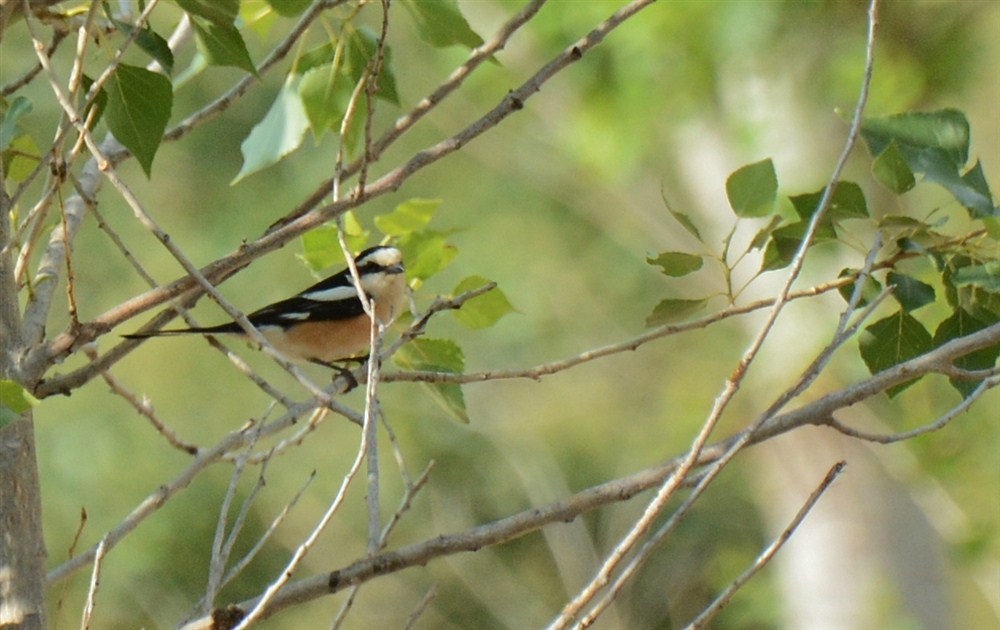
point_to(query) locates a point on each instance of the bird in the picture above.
(325, 323)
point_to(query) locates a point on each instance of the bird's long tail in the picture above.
(221, 329)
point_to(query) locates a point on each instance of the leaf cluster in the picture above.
(966, 278)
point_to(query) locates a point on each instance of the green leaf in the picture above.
(847, 202)
(945, 133)
(12, 113)
(14, 401)
(681, 218)
(871, 290)
(408, 217)
(218, 38)
(961, 324)
(147, 39)
(674, 310)
(100, 101)
(972, 286)
(985, 276)
(289, 8)
(323, 54)
(21, 158)
(426, 253)
(139, 103)
(937, 145)
(325, 94)
(978, 288)
(279, 133)
(485, 310)
(437, 355)
(786, 240)
(221, 11)
(222, 44)
(440, 23)
(676, 264)
(321, 246)
(764, 235)
(362, 46)
(892, 171)
(891, 341)
(752, 189)
(910, 292)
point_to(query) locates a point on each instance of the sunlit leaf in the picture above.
(321, 246)
(482, 311)
(289, 8)
(440, 23)
(14, 401)
(12, 113)
(325, 94)
(676, 264)
(891, 341)
(752, 189)
(674, 310)
(408, 217)
(437, 355)
(139, 103)
(279, 133)
(426, 253)
(21, 158)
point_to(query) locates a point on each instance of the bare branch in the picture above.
(391, 181)
(58, 35)
(617, 490)
(95, 582)
(940, 423)
(428, 103)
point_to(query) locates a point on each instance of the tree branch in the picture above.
(623, 489)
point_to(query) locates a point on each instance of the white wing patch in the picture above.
(332, 295)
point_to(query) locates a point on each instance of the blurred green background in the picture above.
(560, 205)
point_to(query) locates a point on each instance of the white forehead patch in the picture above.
(384, 257)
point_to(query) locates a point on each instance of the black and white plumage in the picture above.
(326, 322)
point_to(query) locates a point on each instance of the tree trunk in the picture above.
(22, 547)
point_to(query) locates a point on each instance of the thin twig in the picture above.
(144, 408)
(306, 546)
(617, 490)
(706, 615)
(272, 528)
(95, 582)
(224, 102)
(427, 104)
(940, 423)
(732, 384)
(420, 608)
(511, 103)
(58, 35)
